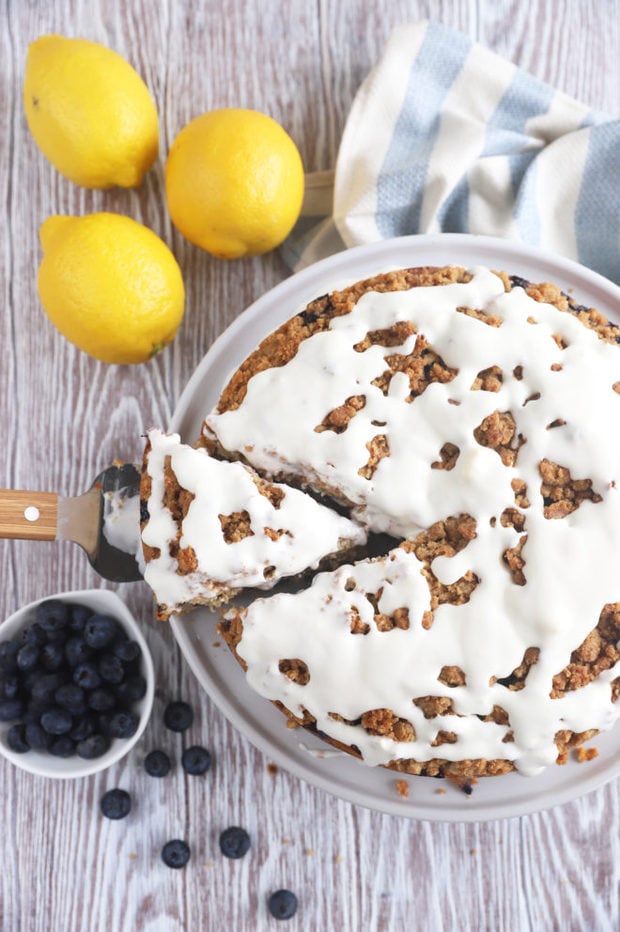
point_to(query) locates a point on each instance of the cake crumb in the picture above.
(286, 841)
(473, 851)
(216, 644)
(562, 758)
(585, 754)
(272, 769)
(133, 856)
(310, 852)
(338, 859)
(464, 785)
(209, 864)
(440, 792)
(402, 788)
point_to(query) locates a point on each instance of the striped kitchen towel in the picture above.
(446, 136)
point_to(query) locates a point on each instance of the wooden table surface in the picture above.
(64, 416)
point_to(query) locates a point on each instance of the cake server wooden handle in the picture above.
(28, 515)
(318, 194)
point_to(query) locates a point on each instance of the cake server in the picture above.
(104, 521)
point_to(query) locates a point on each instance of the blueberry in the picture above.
(196, 760)
(101, 700)
(34, 634)
(16, 738)
(87, 676)
(62, 747)
(27, 657)
(53, 616)
(111, 669)
(103, 724)
(84, 727)
(37, 738)
(34, 711)
(126, 650)
(92, 747)
(78, 616)
(10, 709)
(157, 764)
(8, 655)
(178, 716)
(77, 651)
(132, 690)
(282, 904)
(124, 725)
(99, 631)
(115, 804)
(9, 686)
(234, 842)
(175, 853)
(45, 685)
(52, 657)
(71, 697)
(56, 721)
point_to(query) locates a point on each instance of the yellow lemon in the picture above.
(90, 113)
(110, 285)
(234, 183)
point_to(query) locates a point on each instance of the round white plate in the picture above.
(298, 751)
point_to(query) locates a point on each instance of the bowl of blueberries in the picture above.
(76, 684)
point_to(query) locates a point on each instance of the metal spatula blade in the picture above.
(28, 515)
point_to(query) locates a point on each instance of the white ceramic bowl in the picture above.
(44, 764)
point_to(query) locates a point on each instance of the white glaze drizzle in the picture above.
(571, 564)
(310, 530)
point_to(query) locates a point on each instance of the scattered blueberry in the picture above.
(92, 747)
(124, 725)
(157, 764)
(87, 676)
(16, 738)
(178, 716)
(111, 669)
(115, 804)
(99, 631)
(53, 616)
(27, 657)
(10, 709)
(282, 904)
(175, 853)
(234, 842)
(56, 722)
(62, 747)
(196, 760)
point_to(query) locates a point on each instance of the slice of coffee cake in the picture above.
(210, 527)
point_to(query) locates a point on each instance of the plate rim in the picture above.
(334, 267)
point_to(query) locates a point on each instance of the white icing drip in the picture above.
(571, 564)
(310, 531)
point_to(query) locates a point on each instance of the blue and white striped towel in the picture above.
(446, 136)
